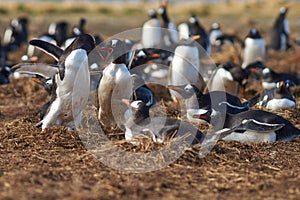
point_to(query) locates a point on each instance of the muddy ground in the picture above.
(56, 164)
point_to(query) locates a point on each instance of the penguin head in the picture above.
(186, 91)
(238, 74)
(152, 13)
(254, 33)
(85, 41)
(215, 26)
(193, 19)
(139, 110)
(118, 51)
(283, 10)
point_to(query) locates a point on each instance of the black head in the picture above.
(85, 41)
(116, 50)
(139, 111)
(163, 12)
(193, 19)
(186, 91)
(254, 33)
(240, 75)
(152, 14)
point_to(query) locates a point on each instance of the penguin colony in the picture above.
(123, 98)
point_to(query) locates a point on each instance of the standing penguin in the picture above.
(170, 34)
(116, 84)
(70, 81)
(185, 66)
(193, 28)
(151, 31)
(255, 48)
(214, 33)
(280, 32)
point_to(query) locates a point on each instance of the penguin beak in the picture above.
(155, 55)
(174, 87)
(37, 80)
(196, 37)
(126, 101)
(204, 117)
(104, 53)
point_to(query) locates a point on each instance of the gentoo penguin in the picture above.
(229, 77)
(76, 31)
(196, 28)
(170, 33)
(193, 28)
(196, 101)
(270, 78)
(279, 97)
(151, 31)
(160, 129)
(214, 33)
(16, 34)
(142, 92)
(280, 32)
(185, 66)
(254, 49)
(56, 35)
(116, 84)
(70, 81)
(264, 126)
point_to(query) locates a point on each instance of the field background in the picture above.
(55, 164)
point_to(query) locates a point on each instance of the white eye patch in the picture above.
(114, 43)
(135, 104)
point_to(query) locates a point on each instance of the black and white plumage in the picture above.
(279, 97)
(151, 31)
(214, 33)
(228, 77)
(116, 84)
(197, 102)
(170, 33)
(254, 49)
(270, 78)
(160, 129)
(280, 32)
(70, 81)
(185, 66)
(4, 75)
(56, 35)
(261, 126)
(142, 92)
(16, 34)
(195, 28)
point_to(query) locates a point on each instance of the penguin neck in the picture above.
(165, 17)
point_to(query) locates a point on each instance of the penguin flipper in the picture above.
(251, 124)
(45, 70)
(48, 48)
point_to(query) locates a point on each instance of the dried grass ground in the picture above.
(56, 165)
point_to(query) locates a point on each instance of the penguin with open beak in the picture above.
(70, 78)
